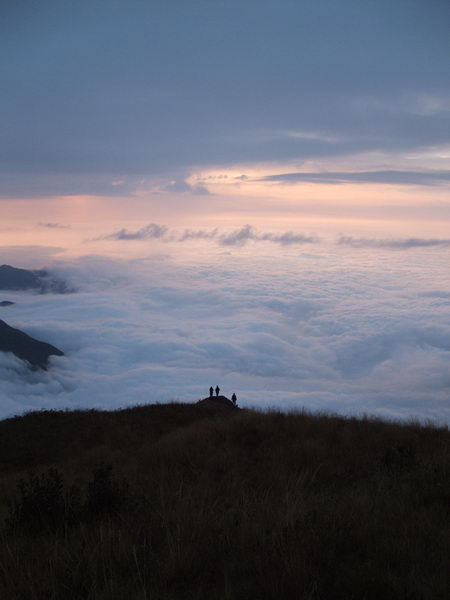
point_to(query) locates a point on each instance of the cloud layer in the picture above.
(287, 332)
(89, 107)
(239, 237)
(247, 233)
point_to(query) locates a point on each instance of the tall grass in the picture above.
(184, 501)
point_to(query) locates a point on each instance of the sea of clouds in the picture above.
(345, 328)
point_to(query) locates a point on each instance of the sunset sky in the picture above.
(298, 150)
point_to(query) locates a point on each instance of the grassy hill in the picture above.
(203, 502)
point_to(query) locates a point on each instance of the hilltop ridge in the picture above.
(217, 401)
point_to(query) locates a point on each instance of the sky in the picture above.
(254, 193)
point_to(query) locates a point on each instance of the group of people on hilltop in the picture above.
(217, 390)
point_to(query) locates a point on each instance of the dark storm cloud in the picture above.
(100, 90)
(387, 177)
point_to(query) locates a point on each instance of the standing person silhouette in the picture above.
(211, 392)
(217, 390)
(234, 399)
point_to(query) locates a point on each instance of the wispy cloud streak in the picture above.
(239, 237)
(394, 244)
(53, 226)
(199, 234)
(424, 177)
(247, 233)
(150, 232)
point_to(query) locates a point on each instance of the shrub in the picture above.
(104, 494)
(43, 501)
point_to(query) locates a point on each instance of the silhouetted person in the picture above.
(234, 399)
(211, 392)
(217, 390)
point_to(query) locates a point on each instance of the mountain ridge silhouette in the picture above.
(40, 280)
(26, 347)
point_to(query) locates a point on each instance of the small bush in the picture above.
(44, 502)
(104, 494)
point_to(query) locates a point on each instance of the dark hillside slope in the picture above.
(12, 278)
(190, 501)
(25, 347)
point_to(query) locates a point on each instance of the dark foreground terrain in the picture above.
(202, 502)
